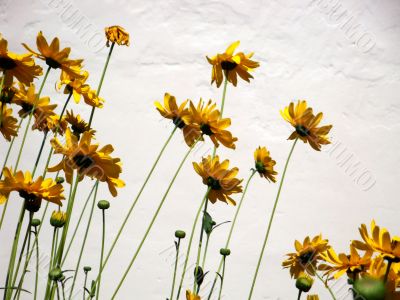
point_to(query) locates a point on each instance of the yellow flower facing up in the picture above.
(56, 58)
(8, 124)
(231, 65)
(340, 264)
(379, 241)
(33, 192)
(205, 119)
(88, 160)
(191, 296)
(74, 85)
(178, 114)
(22, 67)
(265, 164)
(117, 34)
(312, 297)
(305, 123)
(306, 257)
(219, 178)
(78, 125)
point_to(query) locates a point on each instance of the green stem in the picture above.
(153, 220)
(270, 220)
(389, 265)
(1, 92)
(101, 81)
(324, 283)
(135, 201)
(253, 172)
(84, 285)
(39, 154)
(222, 277)
(175, 268)
(205, 251)
(299, 295)
(37, 263)
(53, 248)
(224, 96)
(103, 237)
(84, 239)
(8, 155)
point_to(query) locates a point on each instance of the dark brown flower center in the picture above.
(302, 131)
(32, 201)
(27, 107)
(178, 122)
(7, 95)
(307, 257)
(213, 183)
(83, 161)
(7, 63)
(260, 167)
(52, 63)
(206, 129)
(228, 65)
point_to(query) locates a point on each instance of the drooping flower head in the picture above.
(92, 99)
(231, 65)
(305, 123)
(56, 58)
(379, 241)
(306, 257)
(117, 34)
(8, 124)
(191, 296)
(78, 125)
(264, 164)
(221, 180)
(74, 85)
(88, 160)
(178, 114)
(33, 192)
(205, 119)
(22, 67)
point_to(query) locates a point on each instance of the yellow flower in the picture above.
(88, 160)
(206, 120)
(92, 99)
(33, 192)
(50, 122)
(56, 58)
(219, 178)
(305, 123)
(8, 93)
(27, 99)
(306, 256)
(78, 125)
(190, 296)
(22, 67)
(312, 297)
(377, 270)
(76, 85)
(230, 65)
(178, 114)
(265, 164)
(117, 34)
(340, 264)
(379, 241)
(58, 218)
(8, 124)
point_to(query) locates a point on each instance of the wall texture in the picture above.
(341, 56)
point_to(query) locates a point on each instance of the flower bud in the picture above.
(55, 274)
(103, 204)
(58, 219)
(225, 251)
(87, 269)
(304, 283)
(369, 288)
(60, 180)
(180, 234)
(35, 222)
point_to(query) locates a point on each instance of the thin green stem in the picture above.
(299, 295)
(135, 201)
(101, 81)
(37, 263)
(103, 237)
(40, 153)
(222, 277)
(205, 251)
(8, 155)
(153, 219)
(175, 268)
(84, 285)
(224, 95)
(324, 283)
(253, 172)
(270, 220)
(84, 239)
(53, 248)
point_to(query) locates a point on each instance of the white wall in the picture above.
(342, 56)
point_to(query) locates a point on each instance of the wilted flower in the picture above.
(117, 34)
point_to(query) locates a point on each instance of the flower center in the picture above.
(178, 122)
(32, 201)
(7, 63)
(228, 65)
(83, 161)
(302, 131)
(260, 167)
(307, 257)
(213, 183)
(26, 107)
(206, 129)
(7, 95)
(52, 63)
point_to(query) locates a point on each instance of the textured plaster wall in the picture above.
(342, 56)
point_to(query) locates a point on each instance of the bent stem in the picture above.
(232, 227)
(270, 220)
(154, 218)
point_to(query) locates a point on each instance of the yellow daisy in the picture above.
(22, 67)
(377, 270)
(305, 123)
(190, 296)
(78, 125)
(74, 85)
(306, 256)
(88, 160)
(117, 34)
(91, 99)
(33, 192)
(231, 65)
(265, 164)
(178, 114)
(50, 122)
(7, 94)
(8, 124)
(219, 178)
(312, 297)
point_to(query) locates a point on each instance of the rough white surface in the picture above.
(342, 56)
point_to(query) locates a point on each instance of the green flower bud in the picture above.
(55, 274)
(103, 204)
(225, 251)
(304, 283)
(87, 269)
(58, 219)
(370, 288)
(60, 180)
(35, 222)
(180, 234)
